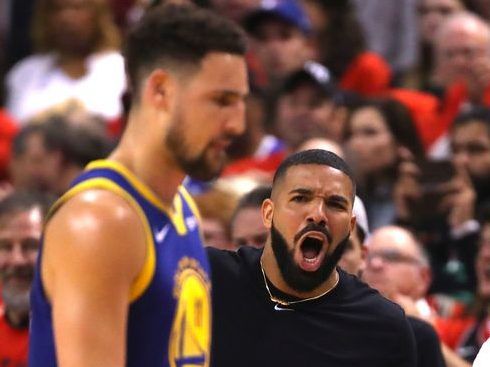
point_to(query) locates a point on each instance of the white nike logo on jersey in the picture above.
(162, 233)
(278, 307)
(191, 223)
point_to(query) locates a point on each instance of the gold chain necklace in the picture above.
(288, 303)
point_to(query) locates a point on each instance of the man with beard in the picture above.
(21, 217)
(123, 278)
(289, 305)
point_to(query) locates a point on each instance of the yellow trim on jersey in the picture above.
(176, 216)
(190, 201)
(145, 276)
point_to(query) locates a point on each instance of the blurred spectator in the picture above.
(246, 225)
(77, 59)
(390, 28)
(470, 145)
(216, 206)
(21, 219)
(306, 107)
(449, 226)
(463, 44)
(377, 134)
(463, 67)
(431, 14)
(340, 46)
(49, 155)
(398, 267)
(280, 31)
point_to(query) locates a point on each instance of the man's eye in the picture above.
(299, 198)
(337, 205)
(224, 101)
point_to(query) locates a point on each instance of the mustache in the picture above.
(310, 227)
(18, 271)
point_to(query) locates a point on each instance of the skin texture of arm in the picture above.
(94, 248)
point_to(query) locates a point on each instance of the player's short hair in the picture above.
(174, 37)
(314, 156)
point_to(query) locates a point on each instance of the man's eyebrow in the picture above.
(232, 93)
(338, 198)
(301, 190)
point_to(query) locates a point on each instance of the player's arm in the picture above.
(94, 249)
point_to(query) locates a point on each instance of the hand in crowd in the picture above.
(459, 199)
(457, 195)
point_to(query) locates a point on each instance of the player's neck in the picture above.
(273, 274)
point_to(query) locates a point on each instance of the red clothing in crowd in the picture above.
(8, 129)
(425, 111)
(252, 165)
(368, 74)
(14, 344)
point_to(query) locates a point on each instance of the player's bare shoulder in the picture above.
(95, 230)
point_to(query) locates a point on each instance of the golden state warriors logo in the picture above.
(190, 338)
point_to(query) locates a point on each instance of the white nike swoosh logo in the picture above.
(161, 234)
(279, 308)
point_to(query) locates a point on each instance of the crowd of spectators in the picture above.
(400, 89)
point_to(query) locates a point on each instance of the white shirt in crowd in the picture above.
(37, 83)
(483, 357)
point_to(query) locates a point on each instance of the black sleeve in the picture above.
(407, 345)
(225, 290)
(429, 352)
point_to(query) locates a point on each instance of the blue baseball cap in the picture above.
(289, 11)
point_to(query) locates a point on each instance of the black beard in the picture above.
(293, 275)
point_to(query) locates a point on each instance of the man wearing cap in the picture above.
(280, 32)
(289, 305)
(307, 107)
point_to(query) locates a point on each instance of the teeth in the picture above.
(311, 261)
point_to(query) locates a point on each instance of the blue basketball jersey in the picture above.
(169, 316)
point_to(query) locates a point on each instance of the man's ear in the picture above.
(267, 213)
(159, 89)
(353, 222)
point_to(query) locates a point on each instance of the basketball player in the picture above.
(122, 277)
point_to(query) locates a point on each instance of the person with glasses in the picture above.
(398, 267)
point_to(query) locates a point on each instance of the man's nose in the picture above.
(17, 255)
(317, 213)
(235, 124)
(374, 262)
